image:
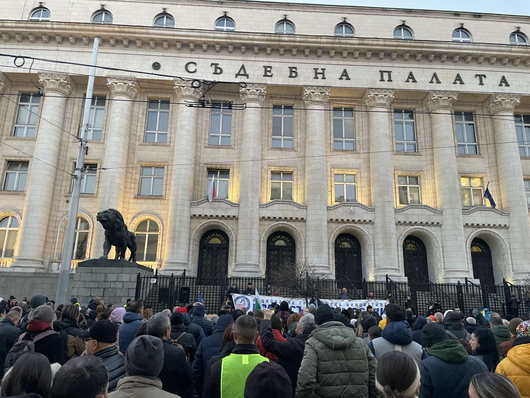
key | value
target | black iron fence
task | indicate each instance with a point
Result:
(168, 291)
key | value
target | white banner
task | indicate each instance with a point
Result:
(297, 305)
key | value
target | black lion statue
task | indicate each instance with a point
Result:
(116, 234)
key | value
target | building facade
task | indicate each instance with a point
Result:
(361, 140)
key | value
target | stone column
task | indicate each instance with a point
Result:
(382, 182)
(182, 181)
(448, 188)
(118, 134)
(41, 181)
(316, 170)
(513, 196)
(248, 250)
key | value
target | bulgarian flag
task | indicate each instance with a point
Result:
(211, 190)
(257, 300)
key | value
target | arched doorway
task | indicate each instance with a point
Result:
(213, 257)
(482, 262)
(415, 260)
(281, 249)
(348, 263)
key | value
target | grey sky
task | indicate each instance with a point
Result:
(512, 7)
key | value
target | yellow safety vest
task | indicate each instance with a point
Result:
(235, 369)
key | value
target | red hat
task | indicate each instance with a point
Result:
(181, 309)
(432, 317)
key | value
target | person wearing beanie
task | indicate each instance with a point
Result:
(277, 326)
(116, 316)
(397, 375)
(471, 324)
(512, 326)
(516, 365)
(454, 326)
(449, 368)
(180, 335)
(396, 336)
(366, 323)
(501, 332)
(36, 301)
(417, 326)
(336, 363)
(267, 380)
(144, 361)
(198, 319)
(100, 341)
(192, 328)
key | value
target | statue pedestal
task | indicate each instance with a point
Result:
(112, 280)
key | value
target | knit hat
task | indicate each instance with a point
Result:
(177, 319)
(73, 300)
(368, 321)
(452, 318)
(312, 306)
(433, 333)
(324, 314)
(117, 314)
(471, 320)
(199, 310)
(523, 330)
(44, 313)
(182, 310)
(276, 323)
(145, 357)
(266, 380)
(37, 300)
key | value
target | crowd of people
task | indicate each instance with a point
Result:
(99, 351)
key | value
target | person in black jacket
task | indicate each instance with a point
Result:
(100, 342)
(249, 291)
(8, 336)
(52, 347)
(176, 373)
(180, 335)
(290, 352)
(198, 319)
(233, 290)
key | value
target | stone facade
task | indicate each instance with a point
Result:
(309, 76)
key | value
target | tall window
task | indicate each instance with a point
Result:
(40, 14)
(465, 133)
(343, 129)
(226, 24)
(15, 176)
(164, 20)
(522, 127)
(82, 230)
(461, 35)
(157, 121)
(152, 181)
(518, 39)
(95, 119)
(281, 185)
(27, 114)
(282, 126)
(102, 16)
(220, 124)
(147, 240)
(403, 32)
(88, 183)
(409, 190)
(284, 27)
(344, 30)
(527, 190)
(8, 236)
(345, 188)
(405, 131)
(472, 191)
(221, 183)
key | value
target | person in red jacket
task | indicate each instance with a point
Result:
(277, 326)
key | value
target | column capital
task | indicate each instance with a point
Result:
(185, 90)
(316, 94)
(502, 103)
(378, 97)
(3, 82)
(125, 86)
(253, 93)
(438, 100)
(59, 83)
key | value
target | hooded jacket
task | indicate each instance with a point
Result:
(502, 334)
(129, 327)
(74, 346)
(396, 334)
(421, 321)
(115, 364)
(185, 339)
(336, 363)
(448, 371)
(453, 324)
(516, 366)
(194, 329)
(140, 387)
(198, 319)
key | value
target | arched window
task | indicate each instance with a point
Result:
(518, 39)
(164, 20)
(40, 14)
(8, 236)
(226, 24)
(344, 30)
(82, 230)
(102, 16)
(461, 35)
(403, 32)
(284, 27)
(147, 240)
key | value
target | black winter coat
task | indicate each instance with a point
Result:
(52, 347)
(185, 339)
(194, 329)
(198, 319)
(289, 353)
(176, 374)
(8, 336)
(115, 364)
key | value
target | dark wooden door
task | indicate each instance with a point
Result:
(281, 249)
(482, 262)
(213, 257)
(348, 262)
(415, 258)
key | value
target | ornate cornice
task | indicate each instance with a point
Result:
(378, 97)
(438, 100)
(418, 207)
(253, 93)
(502, 103)
(315, 95)
(185, 91)
(3, 82)
(56, 83)
(124, 86)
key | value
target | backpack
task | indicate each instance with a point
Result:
(22, 346)
(465, 343)
(177, 344)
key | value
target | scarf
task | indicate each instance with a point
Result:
(38, 326)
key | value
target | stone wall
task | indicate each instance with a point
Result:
(20, 284)
(112, 280)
